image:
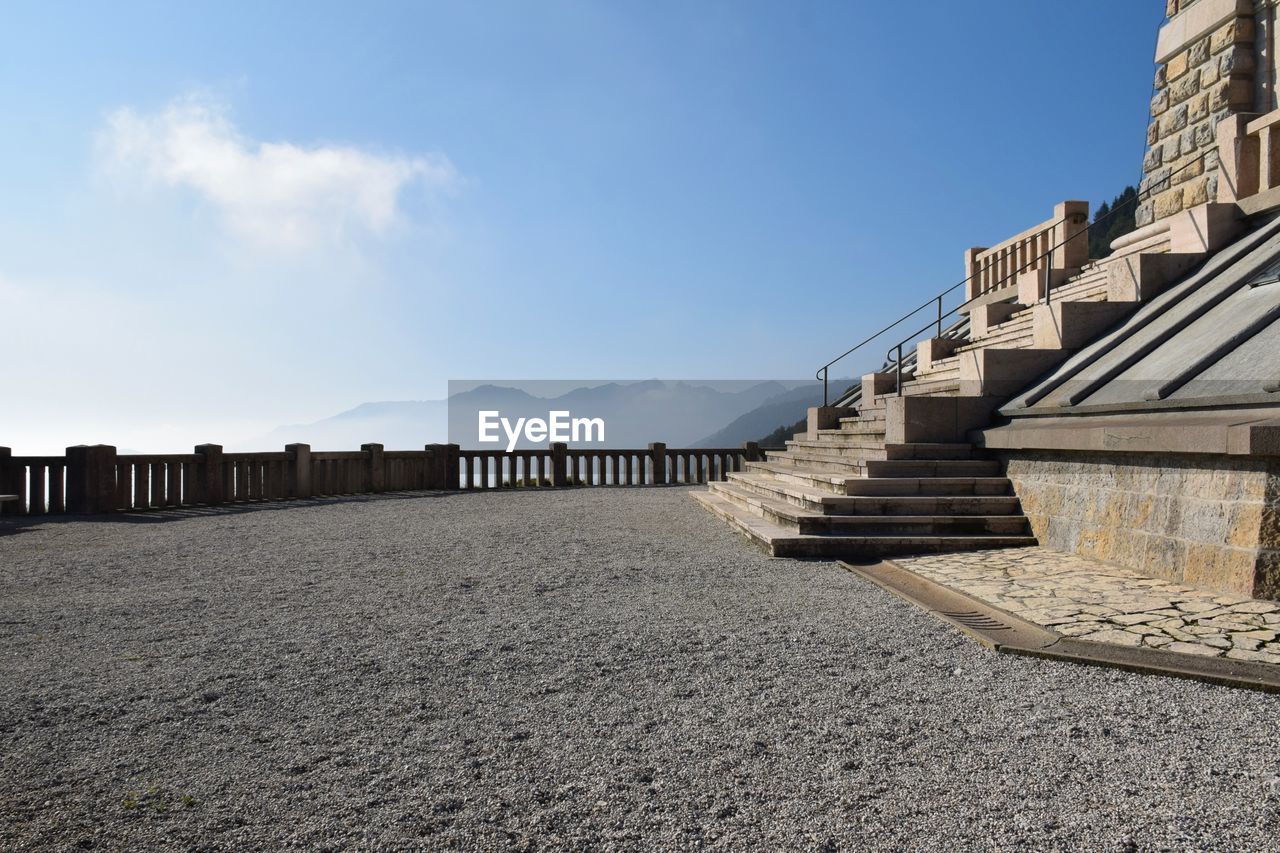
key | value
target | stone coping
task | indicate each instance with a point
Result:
(1234, 432)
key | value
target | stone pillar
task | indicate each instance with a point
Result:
(299, 474)
(209, 483)
(375, 475)
(450, 477)
(658, 458)
(7, 486)
(972, 272)
(1074, 231)
(559, 456)
(91, 479)
(1238, 158)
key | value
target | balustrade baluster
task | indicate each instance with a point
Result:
(141, 485)
(57, 488)
(36, 493)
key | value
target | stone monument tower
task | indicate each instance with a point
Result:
(1215, 75)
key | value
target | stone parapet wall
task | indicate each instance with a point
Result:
(1211, 522)
(1204, 78)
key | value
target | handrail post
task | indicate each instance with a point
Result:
(939, 334)
(825, 371)
(897, 364)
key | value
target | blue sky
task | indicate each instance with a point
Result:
(221, 217)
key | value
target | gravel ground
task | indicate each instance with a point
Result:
(572, 669)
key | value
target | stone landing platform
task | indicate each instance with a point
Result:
(1100, 613)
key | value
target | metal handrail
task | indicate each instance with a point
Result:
(895, 351)
(825, 369)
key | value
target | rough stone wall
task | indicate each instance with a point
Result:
(1204, 83)
(1209, 522)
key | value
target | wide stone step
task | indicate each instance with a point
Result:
(870, 420)
(929, 450)
(817, 500)
(926, 486)
(841, 483)
(850, 465)
(825, 480)
(932, 467)
(781, 542)
(929, 388)
(804, 521)
(838, 441)
(854, 426)
(861, 450)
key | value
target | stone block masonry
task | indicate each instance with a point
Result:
(1208, 522)
(1208, 59)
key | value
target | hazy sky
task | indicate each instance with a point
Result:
(218, 218)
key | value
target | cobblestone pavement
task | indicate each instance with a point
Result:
(1078, 597)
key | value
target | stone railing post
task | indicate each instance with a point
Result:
(751, 451)
(1075, 231)
(375, 477)
(974, 284)
(445, 474)
(1239, 158)
(7, 484)
(91, 479)
(209, 485)
(559, 456)
(299, 473)
(658, 457)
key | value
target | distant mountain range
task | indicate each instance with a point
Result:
(682, 414)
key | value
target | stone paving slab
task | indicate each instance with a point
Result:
(1078, 597)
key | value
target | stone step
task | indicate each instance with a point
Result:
(1089, 286)
(929, 450)
(932, 467)
(1016, 337)
(842, 483)
(950, 374)
(850, 465)
(858, 426)
(778, 541)
(827, 481)
(931, 486)
(817, 500)
(838, 441)
(808, 522)
(862, 449)
(930, 387)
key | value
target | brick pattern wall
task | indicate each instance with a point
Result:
(1202, 84)
(1209, 522)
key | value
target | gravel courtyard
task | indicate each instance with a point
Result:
(594, 668)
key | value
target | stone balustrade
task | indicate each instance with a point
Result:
(96, 479)
(996, 269)
(563, 466)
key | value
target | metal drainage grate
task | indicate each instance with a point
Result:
(976, 620)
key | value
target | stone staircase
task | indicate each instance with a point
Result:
(848, 493)
(890, 471)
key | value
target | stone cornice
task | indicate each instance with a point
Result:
(1197, 21)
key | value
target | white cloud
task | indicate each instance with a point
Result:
(277, 195)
